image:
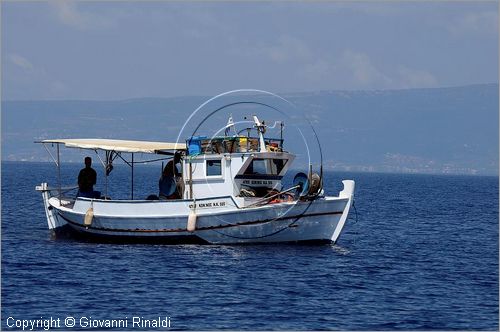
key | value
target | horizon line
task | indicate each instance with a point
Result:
(279, 93)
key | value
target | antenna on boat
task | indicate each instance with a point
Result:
(281, 134)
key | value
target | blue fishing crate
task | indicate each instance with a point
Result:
(194, 144)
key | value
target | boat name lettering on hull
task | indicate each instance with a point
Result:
(257, 182)
(207, 205)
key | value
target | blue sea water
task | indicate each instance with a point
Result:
(423, 255)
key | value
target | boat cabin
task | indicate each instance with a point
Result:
(236, 166)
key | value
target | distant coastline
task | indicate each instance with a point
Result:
(450, 130)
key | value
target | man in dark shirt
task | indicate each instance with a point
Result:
(170, 180)
(86, 180)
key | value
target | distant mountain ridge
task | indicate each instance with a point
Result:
(439, 130)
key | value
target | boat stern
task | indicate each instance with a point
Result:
(347, 192)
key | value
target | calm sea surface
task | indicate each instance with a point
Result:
(422, 255)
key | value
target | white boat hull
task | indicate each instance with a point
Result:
(214, 220)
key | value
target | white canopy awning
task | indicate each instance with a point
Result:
(118, 145)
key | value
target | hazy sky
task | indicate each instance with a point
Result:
(117, 50)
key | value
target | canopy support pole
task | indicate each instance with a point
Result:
(47, 149)
(105, 174)
(59, 173)
(132, 177)
(190, 179)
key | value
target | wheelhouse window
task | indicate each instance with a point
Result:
(277, 165)
(266, 166)
(214, 167)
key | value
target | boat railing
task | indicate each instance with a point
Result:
(231, 144)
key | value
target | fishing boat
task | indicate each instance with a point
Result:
(229, 191)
